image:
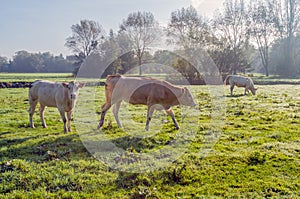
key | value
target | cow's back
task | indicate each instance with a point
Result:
(239, 81)
(122, 88)
(46, 92)
(140, 90)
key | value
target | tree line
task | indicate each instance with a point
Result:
(26, 62)
(259, 35)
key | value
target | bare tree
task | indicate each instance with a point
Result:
(288, 24)
(190, 32)
(231, 28)
(262, 28)
(287, 13)
(188, 29)
(86, 36)
(142, 29)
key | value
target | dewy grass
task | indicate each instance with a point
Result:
(255, 154)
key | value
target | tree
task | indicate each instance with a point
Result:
(288, 24)
(262, 28)
(164, 57)
(85, 39)
(117, 55)
(188, 71)
(3, 63)
(24, 61)
(142, 30)
(287, 21)
(110, 53)
(191, 33)
(279, 64)
(188, 29)
(231, 28)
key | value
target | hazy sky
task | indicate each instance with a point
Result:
(43, 25)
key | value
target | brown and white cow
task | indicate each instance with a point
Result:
(53, 94)
(240, 81)
(156, 94)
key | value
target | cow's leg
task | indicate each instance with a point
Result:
(246, 90)
(171, 113)
(31, 110)
(105, 107)
(149, 116)
(69, 115)
(63, 117)
(231, 88)
(116, 113)
(41, 112)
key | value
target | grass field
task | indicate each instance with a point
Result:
(30, 77)
(254, 153)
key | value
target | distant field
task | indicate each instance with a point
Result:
(10, 77)
(258, 79)
(255, 153)
(271, 80)
(61, 77)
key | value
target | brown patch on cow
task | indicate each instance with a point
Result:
(151, 94)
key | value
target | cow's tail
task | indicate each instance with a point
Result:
(31, 93)
(227, 79)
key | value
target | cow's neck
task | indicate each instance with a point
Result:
(177, 91)
(69, 102)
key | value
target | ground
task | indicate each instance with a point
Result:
(249, 149)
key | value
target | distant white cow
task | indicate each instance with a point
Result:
(53, 94)
(154, 93)
(240, 81)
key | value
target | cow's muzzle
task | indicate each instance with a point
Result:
(73, 96)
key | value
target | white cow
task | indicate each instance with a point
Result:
(240, 81)
(53, 94)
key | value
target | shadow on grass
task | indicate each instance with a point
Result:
(16, 141)
(4, 133)
(134, 143)
(42, 148)
(235, 95)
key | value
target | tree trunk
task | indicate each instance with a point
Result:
(267, 71)
(139, 55)
(140, 65)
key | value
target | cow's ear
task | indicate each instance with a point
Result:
(65, 85)
(81, 85)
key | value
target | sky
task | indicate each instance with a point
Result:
(44, 25)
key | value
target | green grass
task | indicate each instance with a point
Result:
(56, 77)
(255, 152)
(30, 77)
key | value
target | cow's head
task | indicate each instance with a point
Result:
(187, 98)
(253, 90)
(73, 88)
